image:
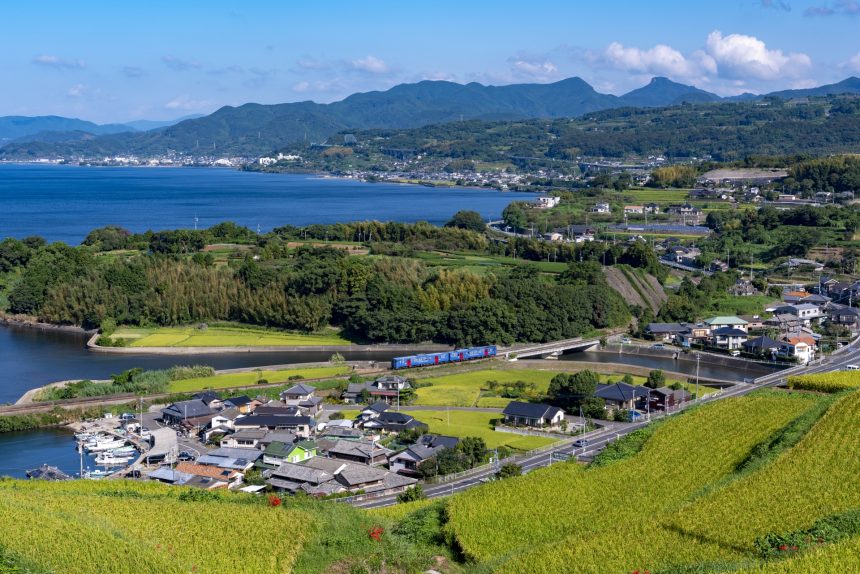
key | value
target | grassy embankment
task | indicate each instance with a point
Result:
(230, 380)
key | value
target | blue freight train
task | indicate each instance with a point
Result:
(455, 356)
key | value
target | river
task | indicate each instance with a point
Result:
(64, 203)
(710, 367)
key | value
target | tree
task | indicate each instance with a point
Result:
(572, 390)
(509, 470)
(656, 379)
(411, 494)
(514, 216)
(474, 449)
(467, 219)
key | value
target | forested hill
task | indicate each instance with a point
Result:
(727, 131)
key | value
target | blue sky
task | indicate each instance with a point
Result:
(120, 61)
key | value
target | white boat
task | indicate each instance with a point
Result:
(107, 460)
(84, 435)
(96, 474)
(104, 446)
(124, 451)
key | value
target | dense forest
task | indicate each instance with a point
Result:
(165, 278)
(720, 131)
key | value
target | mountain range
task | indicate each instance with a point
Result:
(58, 128)
(255, 129)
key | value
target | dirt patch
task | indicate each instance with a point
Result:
(644, 291)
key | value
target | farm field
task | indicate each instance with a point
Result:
(811, 481)
(609, 519)
(471, 423)
(222, 336)
(826, 382)
(116, 527)
(482, 263)
(109, 527)
(228, 380)
(465, 389)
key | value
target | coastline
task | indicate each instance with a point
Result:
(93, 346)
(33, 323)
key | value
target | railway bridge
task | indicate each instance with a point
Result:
(548, 350)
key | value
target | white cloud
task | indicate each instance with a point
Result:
(661, 60)
(738, 56)
(371, 65)
(853, 64)
(186, 103)
(52, 61)
(530, 68)
(77, 91)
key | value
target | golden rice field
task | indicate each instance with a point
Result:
(816, 478)
(110, 527)
(610, 519)
(223, 336)
(826, 382)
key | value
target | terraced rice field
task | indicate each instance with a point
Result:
(229, 380)
(611, 518)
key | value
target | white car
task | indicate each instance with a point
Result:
(852, 367)
(735, 353)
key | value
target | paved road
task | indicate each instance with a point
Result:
(597, 440)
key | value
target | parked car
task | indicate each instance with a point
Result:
(580, 443)
(127, 417)
(625, 340)
(658, 346)
(735, 353)
(185, 456)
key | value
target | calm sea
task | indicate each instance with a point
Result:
(63, 203)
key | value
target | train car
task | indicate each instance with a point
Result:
(455, 356)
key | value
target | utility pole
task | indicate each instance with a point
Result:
(698, 357)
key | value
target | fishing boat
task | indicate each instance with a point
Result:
(108, 460)
(104, 446)
(123, 451)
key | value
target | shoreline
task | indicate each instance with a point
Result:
(93, 346)
(33, 323)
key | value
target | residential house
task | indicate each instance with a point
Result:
(684, 255)
(601, 208)
(359, 451)
(697, 334)
(785, 322)
(764, 346)
(532, 414)
(821, 301)
(714, 323)
(427, 446)
(792, 297)
(169, 475)
(394, 422)
(277, 453)
(651, 208)
(743, 288)
(211, 398)
(801, 348)
(554, 236)
(582, 233)
(718, 266)
(183, 410)
(620, 395)
(246, 438)
(298, 393)
(285, 437)
(730, 338)
(807, 313)
(303, 397)
(386, 389)
(323, 476)
(243, 404)
(239, 459)
(664, 398)
(846, 317)
(547, 202)
(754, 322)
(687, 213)
(301, 426)
(279, 409)
(634, 209)
(665, 331)
(224, 478)
(371, 412)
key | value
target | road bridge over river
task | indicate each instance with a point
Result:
(548, 350)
